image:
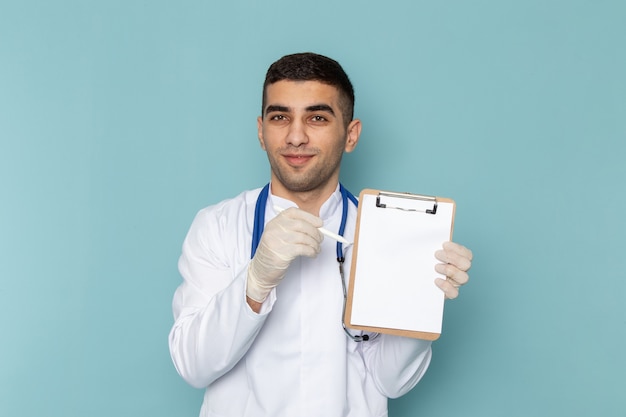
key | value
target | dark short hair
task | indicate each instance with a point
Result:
(307, 66)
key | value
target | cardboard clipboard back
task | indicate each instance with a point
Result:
(431, 336)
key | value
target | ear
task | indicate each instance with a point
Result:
(352, 135)
(259, 127)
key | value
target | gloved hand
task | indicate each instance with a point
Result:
(457, 261)
(292, 233)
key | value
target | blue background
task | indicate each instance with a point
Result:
(119, 120)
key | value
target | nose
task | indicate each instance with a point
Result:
(297, 134)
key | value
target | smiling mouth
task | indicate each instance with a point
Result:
(297, 159)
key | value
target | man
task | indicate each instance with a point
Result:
(258, 315)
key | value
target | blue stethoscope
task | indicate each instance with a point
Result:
(259, 225)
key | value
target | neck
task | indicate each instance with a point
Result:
(309, 201)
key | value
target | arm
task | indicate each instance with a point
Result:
(214, 326)
(398, 363)
(216, 307)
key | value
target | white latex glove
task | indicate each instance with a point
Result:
(290, 234)
(457, 260)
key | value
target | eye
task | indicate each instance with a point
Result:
(278, 119)
(318, 119)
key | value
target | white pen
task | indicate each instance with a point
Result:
(325, 232)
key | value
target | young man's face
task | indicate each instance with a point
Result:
(304, 134)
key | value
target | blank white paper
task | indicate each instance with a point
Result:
(394, 276)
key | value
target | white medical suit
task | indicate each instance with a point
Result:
(292, 359)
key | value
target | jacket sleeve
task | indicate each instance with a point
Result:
(214, 326)
(396, 363)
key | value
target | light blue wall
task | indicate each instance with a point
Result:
(120, 119)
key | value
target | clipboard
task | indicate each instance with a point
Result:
(392, 288)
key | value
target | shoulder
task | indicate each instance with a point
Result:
(223, 231)
(231, 212)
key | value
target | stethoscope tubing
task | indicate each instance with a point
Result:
(259, 225)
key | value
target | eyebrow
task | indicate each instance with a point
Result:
(321, 107)
(274, 107)
(316, 107)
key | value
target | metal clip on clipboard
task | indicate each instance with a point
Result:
(410, 207)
